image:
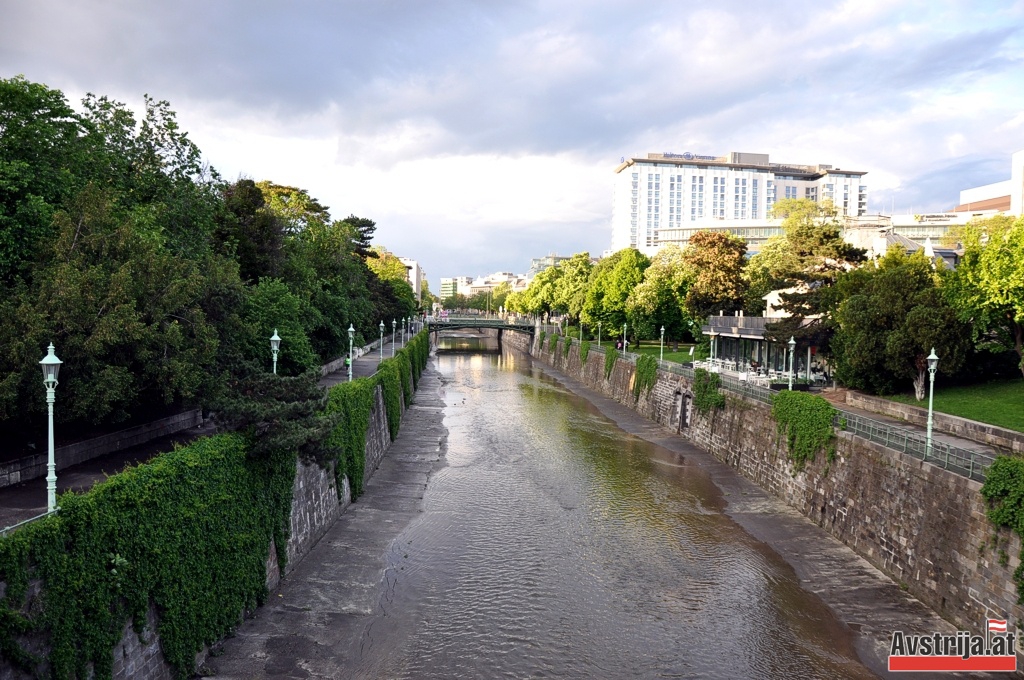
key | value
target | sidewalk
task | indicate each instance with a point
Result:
(363, 367)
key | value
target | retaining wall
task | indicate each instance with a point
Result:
(34, 466)
(921, 525)
(316, 505)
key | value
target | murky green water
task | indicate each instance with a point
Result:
(553, 544)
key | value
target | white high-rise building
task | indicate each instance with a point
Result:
(667, 197)
(416, 276)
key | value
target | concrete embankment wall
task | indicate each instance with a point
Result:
(924, 527)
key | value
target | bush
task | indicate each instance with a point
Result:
(705, 391)
(646, 375)
(610, 357)
(584, 351)
(1004, 491)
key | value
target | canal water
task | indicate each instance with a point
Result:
(553, 544)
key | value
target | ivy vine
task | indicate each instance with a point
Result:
(706, 396)
(584, 351)
(611, 355)
(806, 421)
(188, 532)
(553, 343)
(1004, 491)
(646, 375)
(540, 343)
(566, 346)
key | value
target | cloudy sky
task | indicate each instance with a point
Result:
(479, 134)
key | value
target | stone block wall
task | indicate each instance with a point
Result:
(924, 527)
(34, 466)
(316, 505)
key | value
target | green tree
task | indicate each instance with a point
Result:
(813, 236)
(570, 293)
(987, 286)
(386, 265)
(659, 301)
(251, 231)
(890, 319)
(716, 259)
(362, 230)
(42, 160)
(769, 269)
(295, 206)
(612, 281)
(539, 296)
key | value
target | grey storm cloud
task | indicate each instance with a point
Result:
(597, 79)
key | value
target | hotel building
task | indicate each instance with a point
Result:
(667, 197)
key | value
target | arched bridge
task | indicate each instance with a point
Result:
(461, 323)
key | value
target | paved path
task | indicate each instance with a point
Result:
(315, 623)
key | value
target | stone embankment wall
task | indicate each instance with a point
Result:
(921, 525)
(316, 505)
(34, 466)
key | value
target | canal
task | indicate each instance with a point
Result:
(554, 544)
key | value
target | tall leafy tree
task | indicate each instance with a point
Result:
(570, 293)
(716, 259)
(255, 233)
(987, 286)
(612, 281)
(813, 236)
(362, 230)
(659, 301)
(891, 317)
(42, 164)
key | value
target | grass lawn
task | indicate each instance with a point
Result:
(995, 403)
(654, 349)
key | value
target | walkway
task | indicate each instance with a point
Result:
(313, 625)
(23, 501)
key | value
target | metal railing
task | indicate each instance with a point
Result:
(964, 462)
(3, 532)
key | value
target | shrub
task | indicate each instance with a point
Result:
(584, 351)
(610, 356)
(705, 391)
(645, 376)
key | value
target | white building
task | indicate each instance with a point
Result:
(416, 275)
(666, 197)
(455, 285)
(1006, 196)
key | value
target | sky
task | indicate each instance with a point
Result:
(481, 134)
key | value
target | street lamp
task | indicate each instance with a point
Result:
(275, 346)
(662, 355)
(792, 347)
(351, 335)
(51, 367)
(382, 341)
(394, 334)
(933, 364)
(712, 335)
(625, 343)
(598, 333)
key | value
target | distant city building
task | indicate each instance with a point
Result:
(455, 285)
(1006, 196)
(667, 197)
(539, 264)
(416, 275)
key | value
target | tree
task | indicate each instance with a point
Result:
(658, 302)
(987, 286)
(570, 293)
(890, 319)
(611, 283)
(254, 233)
(386, 265)
(42, 157)
(539, 296)
(814, 237)
(295, 206)
(362, 230)
(716, 259)
(500, 295)
(768, 270)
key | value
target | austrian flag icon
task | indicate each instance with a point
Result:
(996, 626)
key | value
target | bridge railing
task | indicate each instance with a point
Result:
(968, 463)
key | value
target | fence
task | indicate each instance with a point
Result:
(964, 462)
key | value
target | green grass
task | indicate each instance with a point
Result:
(995, 403)
(654, 350)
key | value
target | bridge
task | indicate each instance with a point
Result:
(435, 325)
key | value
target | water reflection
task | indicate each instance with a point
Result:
(556, 545)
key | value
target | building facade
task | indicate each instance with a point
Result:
(666, 197)
(455, 285)
(416, 275)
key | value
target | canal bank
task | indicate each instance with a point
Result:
(922, 526)
(536, 538)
